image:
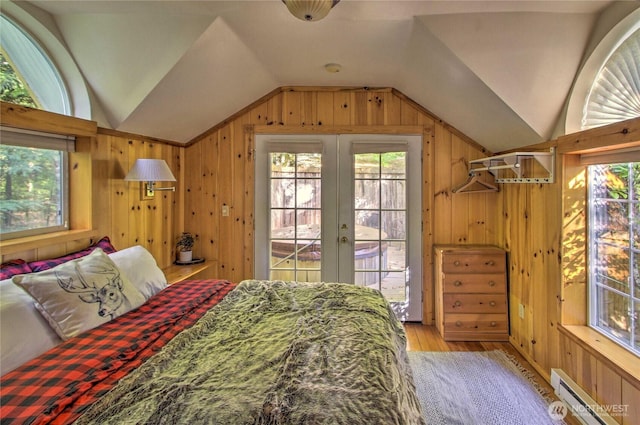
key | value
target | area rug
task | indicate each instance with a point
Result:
(477, 388)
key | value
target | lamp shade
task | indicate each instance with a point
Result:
(310, 10)
(150, 170)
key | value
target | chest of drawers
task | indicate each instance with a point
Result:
(471, 293)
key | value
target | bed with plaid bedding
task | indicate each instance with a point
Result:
(60, 384)
(269, 352)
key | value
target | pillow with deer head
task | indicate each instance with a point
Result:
(81, 294)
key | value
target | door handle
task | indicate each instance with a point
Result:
(344, 239)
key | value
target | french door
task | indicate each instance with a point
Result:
(342, 208)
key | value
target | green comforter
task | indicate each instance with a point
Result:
(275, 353)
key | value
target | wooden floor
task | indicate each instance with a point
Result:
(426, 338)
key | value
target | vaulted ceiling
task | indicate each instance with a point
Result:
(499, 71)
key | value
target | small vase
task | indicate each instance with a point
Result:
(185, 256)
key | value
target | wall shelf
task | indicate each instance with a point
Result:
(518, 167)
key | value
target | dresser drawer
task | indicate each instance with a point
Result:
(473, 263)
(474, 283)
(475, 303)
(476, 322)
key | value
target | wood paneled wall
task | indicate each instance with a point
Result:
(220, 172)
(119, 211)
(533, 225)
(545, 236)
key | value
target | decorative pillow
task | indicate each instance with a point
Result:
(13, 267)
(24, 333)
(40, 265)
(141, 268)
(81, 294)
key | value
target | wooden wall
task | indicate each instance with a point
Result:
(101, 202)
(544, 234)
(220, 171)
(119, 211)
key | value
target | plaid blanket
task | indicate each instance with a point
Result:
(59, 385)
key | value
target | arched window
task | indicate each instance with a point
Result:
(615, 93)
(28, 76)
(34, 187)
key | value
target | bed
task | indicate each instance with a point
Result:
(200, 351)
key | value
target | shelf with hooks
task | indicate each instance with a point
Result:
(518, 167)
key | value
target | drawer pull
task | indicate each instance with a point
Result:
(458, 323)
(457, 304)
(492, 283)
(456, 263)
(493, 324)
(492, 303)
(457, 283)
(490, 263)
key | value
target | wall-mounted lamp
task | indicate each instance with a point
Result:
(150, 171)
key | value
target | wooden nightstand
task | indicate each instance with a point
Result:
(175, 273)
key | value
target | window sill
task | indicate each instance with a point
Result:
(618, 358)
(11, 246)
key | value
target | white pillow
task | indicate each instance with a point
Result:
(141, 268)
(81, 294)
(24, 333)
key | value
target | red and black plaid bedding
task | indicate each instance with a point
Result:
(57, 386)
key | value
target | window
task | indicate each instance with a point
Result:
(33, 166)
(27, 75)
(33, 183)
(616, 90)
(614, 251)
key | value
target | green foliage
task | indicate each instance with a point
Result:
(185, 242)
(30, 189)
(623, 178)
(12, 88)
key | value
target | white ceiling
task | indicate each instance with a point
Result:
(499, 71)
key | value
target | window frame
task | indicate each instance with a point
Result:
(46, 141)
(593, 287)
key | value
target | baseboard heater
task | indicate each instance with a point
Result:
(583, 407)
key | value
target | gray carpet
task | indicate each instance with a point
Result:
(476, 388)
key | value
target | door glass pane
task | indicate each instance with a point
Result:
(295, 225)
(393, 194)
(394, 224)
(380, 223)
(367, 194)
(393, 165)
(282, 192)
(308, 193)
(367, 165)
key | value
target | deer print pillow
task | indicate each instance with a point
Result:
(81, 294)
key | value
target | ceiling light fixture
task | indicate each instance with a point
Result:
(310, 10)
